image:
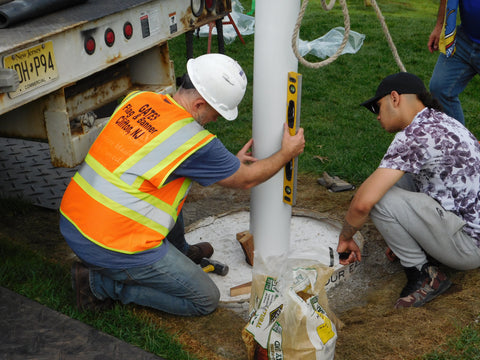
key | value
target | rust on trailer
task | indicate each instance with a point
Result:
(114, 59)
(187, 19)
(98, 96)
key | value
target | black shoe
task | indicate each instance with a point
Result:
(415, 279)
(435, 284)
(85, 299)
(199, 251)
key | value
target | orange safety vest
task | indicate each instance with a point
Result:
(119, 199)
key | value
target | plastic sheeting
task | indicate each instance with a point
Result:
(328, 44)
(322, 47)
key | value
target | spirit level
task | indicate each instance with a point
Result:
(294, 93)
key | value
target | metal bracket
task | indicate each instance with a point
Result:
(9, 80)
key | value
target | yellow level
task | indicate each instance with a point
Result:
(294, 92)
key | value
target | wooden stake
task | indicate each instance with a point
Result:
(246, 240)
(241, 289)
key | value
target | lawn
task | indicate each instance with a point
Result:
(342, 139)
(336, 127)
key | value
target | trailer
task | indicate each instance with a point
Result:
(59, 70)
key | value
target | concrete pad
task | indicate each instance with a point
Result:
(313, 237)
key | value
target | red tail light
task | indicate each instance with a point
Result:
(127, 30)
(89, 45)
(109, 37)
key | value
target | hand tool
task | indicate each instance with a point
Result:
(344, 255)
(209, 265)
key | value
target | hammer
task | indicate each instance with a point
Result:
(209, 265)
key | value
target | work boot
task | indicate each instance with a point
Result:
(85, 299)
(199, 251)
(433, 284)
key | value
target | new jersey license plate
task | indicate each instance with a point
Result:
(35, 67)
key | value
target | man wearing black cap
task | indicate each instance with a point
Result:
(424, 197)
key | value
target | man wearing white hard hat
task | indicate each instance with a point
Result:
(121, 213)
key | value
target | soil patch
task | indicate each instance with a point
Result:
(364, 303)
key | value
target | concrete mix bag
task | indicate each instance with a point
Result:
(290, 317)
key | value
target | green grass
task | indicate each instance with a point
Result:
(336, 128)
(33, 276)
(335, 125)
(466, 346)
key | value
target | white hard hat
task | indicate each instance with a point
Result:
(220, 80)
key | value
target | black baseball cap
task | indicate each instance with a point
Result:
(402, 82)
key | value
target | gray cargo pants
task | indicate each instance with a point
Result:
(413, 224)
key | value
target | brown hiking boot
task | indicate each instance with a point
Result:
(199, 251)
(423, 287)
(85, 299)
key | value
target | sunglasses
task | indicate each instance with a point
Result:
(375, 108)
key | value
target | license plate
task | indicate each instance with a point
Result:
(35, 67)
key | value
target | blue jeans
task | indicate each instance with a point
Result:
(174, 284)
(451, 75)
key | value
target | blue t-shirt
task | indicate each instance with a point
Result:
(208, 165)
(470, 15)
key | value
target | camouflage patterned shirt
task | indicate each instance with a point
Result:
(444, 160)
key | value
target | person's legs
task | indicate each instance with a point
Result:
(413, 225)
(195, 252)
(176, 236)
(174, 285)
(475, 58)
(451, 76)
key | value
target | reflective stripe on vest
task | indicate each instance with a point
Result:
(119, 199)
